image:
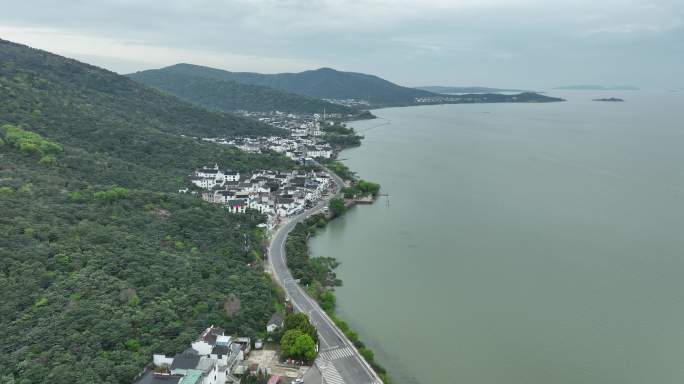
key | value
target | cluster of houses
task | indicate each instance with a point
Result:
(352, 103)
(210, 360)
(291, 121)
(452, 99)
(295, 147)
(304, 140)
(274, 193)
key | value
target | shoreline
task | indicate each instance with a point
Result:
(326, 323)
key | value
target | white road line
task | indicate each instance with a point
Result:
(330, 373)
(336, 353)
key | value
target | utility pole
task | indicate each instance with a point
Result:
(388, 198)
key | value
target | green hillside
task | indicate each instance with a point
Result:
(101, 264)
(229, 96)
(323, 83)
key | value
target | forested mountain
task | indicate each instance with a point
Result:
(323, 83)
(101, 264)
(227, 95)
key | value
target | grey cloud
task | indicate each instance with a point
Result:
(529, 43)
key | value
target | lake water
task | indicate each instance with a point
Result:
(522, 243)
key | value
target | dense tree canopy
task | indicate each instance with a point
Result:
(115, 128)
(227, 95)
(299, 338)
(337, 207)
(297, 345)
(101, 263)
(300, 321)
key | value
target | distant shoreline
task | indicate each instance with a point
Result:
(476, 98)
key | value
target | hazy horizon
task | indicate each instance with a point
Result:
(493, 43)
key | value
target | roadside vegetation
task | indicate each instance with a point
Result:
(339, 169)
(336, 207)
(299, 337)
(318, 276)
(317, 271)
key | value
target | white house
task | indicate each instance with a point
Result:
(230, 175)
(319, 152)
(204, 182)
(208, 172)
(209, 361)
(274, 323)
(237, 206)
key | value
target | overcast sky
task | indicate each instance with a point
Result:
(506, 43)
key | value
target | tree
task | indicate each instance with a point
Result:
(287, 342)
(327, 300)
(304, 348)
(337, 207)
(348, 192)
(295, 320)
(298, 345)
(367, 188)
(300, 321)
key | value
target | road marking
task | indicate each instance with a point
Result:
(336, 353)
(330, 374)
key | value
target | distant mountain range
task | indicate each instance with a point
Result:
(304, 91)
(211, 92)
(593, 87)
(448, 89)
(323, 83)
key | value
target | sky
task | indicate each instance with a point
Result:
(500, 43)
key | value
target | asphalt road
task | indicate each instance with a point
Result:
(338, 360)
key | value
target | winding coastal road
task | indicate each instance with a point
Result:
(338, 360)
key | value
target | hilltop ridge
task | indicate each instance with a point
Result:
(228, 95)
(322, 83)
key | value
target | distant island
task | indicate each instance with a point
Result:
(471, 98)
(449, 89)
(610, 99)
(593, 87)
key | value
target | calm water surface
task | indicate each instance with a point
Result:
(522, 244)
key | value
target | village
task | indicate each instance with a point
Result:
(304, 139)
(276, 194)
(217, 358)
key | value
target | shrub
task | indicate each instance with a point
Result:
(29, 142)
(112, 194)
